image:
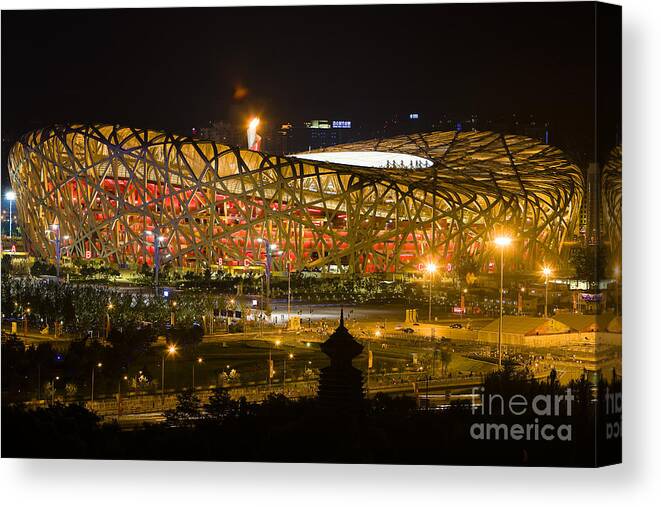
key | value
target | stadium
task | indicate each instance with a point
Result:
(126, 195)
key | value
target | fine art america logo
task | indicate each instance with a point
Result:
(518, 406)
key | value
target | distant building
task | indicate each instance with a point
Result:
(561, 330)
(318, 134)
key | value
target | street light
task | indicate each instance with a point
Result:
(52, 396)
(170, 351)
(110, 307)
(98, 365)
(199, 360)
(284, 371)
(56, 229)
(11, 197)
(269, 249)
(502, 242)
(158, 239)
(616, 272)
(26, 314)
(547, 272)
(431, 269)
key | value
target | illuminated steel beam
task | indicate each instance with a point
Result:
(108, 185)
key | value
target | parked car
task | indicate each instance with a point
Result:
(455, 326)
(407, 330)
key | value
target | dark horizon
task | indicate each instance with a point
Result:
(176, 68)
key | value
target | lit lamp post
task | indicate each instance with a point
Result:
(199, 360)
(170, 351)
(52, 395)
(288, 291)
(547, 272)
(98, 365)
(26, 314)
(269, 249)
(110, 307)
(284, 371)
(502, 242)
(55, 228)
(431, 269)
(157, 240)
(11, 197)
(616, 272)
(173, 319)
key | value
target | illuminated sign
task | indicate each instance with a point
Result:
(318, 124)
(341, 124)
(414, 116)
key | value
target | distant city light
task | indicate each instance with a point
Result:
(414, 116)
(11, 195)
(341, 124)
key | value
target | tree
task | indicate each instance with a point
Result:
(6, 264)
(221, 406)
(188, 410)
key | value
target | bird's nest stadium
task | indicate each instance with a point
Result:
(374, 206)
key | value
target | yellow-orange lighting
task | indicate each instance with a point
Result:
(546, 271)
(172, 349)
(277, 343)
(253, 123)
(431, 267)
(503, 241)
(199, 359)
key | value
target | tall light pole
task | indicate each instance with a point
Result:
(288, 291)
(11, 197)
(157, 240)
(284, 371)
(547, 272)
(267, 269)
(55, 228)
(110, 307)
(98, 365)
(616, 272)
(431, 269)
(170, 351)
(199, 360)
(26, 313)
(502, 242)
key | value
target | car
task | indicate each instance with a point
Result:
(455, 326)
(407, 330)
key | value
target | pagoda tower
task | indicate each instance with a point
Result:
(340, 384)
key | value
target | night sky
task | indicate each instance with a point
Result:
(178, 68)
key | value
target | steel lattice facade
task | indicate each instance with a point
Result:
(611, 189)
(106, 185)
